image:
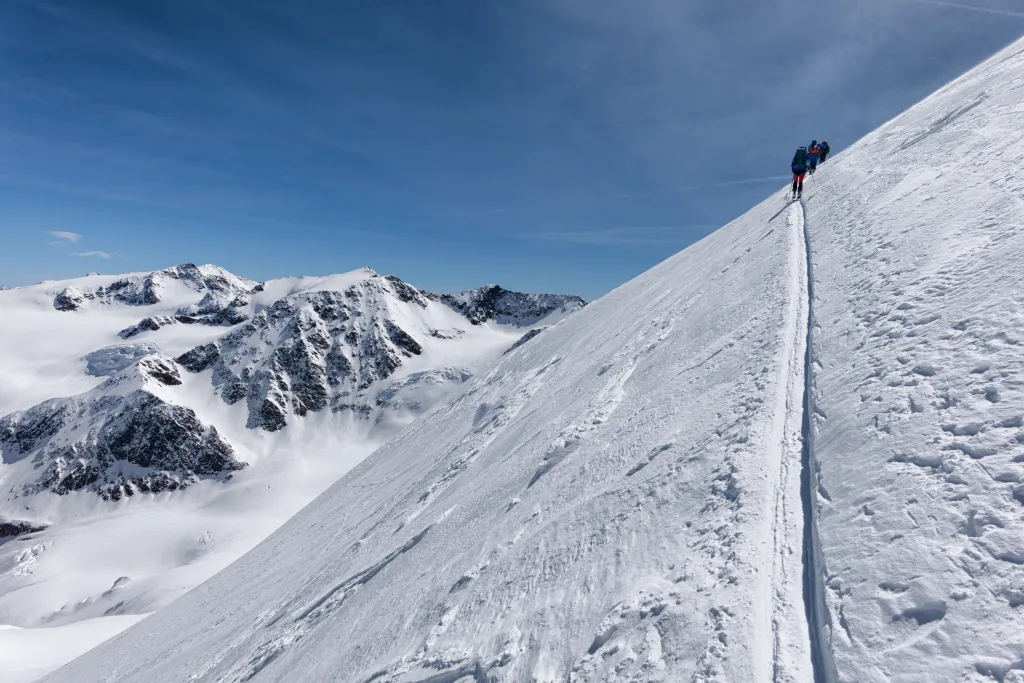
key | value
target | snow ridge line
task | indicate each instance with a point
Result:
(819, 621)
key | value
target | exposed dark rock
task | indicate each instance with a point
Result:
(403, 291)
(224, 295)
(135, 443)
(495, 303)
(216, 308)
(321, 348)
(199, 358)
(132, 291)
(32, 430)
(336, 366)
(402, 339)
(453, 333)
(69, 299)
(161, 369)
(525, 338)
(306, 350)
(11, 527)
(146, 325)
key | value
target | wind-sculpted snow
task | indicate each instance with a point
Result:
(117, 440)
(918, 235)
(613, 501)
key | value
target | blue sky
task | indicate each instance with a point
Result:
(564, 145)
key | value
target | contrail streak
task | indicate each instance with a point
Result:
(703, 186)
(987, 10)
(589, 201)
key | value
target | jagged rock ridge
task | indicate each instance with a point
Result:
(223, 295)
(496, 303)
(311, 350)
(118, 439)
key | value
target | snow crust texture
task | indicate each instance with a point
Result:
(918, 239)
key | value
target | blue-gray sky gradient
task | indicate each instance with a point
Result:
(556, 146)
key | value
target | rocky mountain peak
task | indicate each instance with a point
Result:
(493, 302)
(311, 350)
(146, 289)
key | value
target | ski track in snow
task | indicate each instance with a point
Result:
(783, 586)
(919, 387)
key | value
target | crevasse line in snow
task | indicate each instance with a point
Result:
(819, 620)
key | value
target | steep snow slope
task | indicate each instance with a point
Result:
(146, 475)
(918, 246)
(618, 498)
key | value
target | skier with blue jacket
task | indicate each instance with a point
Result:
(799, 168)
(813, 152)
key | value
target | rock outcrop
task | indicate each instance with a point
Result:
(510, 308)
(118, 439)
(310, 351)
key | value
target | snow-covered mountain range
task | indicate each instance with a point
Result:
(792, 452)
(143, 416)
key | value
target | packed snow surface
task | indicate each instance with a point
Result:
(129, 475)
(918, 246)
(673, 485)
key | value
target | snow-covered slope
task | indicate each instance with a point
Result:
(166, 422)
(635, 495)
(918, 237)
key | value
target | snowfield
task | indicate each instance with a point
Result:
(142, 478)
(792, 452)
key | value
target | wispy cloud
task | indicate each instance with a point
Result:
(597, 199)
(64, 237)
(625, 236)
(699, 186)
(956, 5)
(97, 254)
